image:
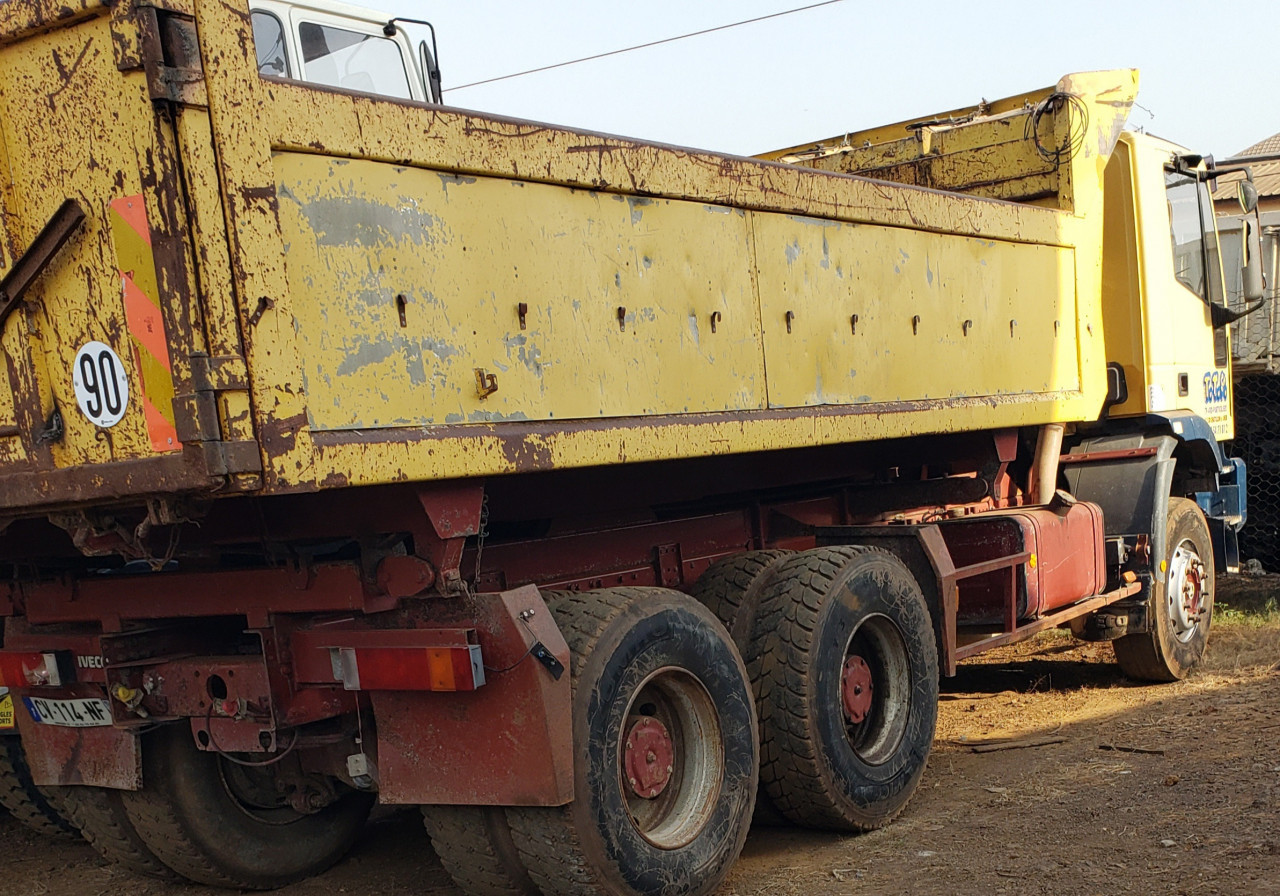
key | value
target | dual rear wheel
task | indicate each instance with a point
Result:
(843, 665)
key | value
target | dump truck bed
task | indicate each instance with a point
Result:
(308, 288)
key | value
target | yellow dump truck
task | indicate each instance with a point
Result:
(574, 488)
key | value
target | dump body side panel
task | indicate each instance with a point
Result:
(398, 292)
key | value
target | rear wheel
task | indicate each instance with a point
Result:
(665, 738)
(24, 800)
(100, 815)
(475, 846)
(731, 589)
(216, 822)
(1181, 604)
(849, 692)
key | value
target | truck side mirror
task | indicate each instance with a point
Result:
(1251, 252)
(435, 93)
(1247, 194)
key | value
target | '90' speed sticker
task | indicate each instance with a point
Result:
(102, 385)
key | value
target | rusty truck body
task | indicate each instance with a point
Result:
(572, 487)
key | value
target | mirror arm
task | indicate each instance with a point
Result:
(433, 76)
(1222, 316)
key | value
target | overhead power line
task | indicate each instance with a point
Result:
(652, 43)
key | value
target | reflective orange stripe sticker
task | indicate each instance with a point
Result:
(132, 238)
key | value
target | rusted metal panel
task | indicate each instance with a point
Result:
(243, 142)
(344, 125)
(19, 20)
(123, 283)
(253, 593)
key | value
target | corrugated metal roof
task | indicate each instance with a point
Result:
(1266, 175)
(1267, 147)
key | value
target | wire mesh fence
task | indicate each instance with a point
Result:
(1257, 443)
(1255, 350)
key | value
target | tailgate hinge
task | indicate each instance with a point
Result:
(197, 415)
(168, 50)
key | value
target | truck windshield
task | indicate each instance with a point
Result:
(352, 60)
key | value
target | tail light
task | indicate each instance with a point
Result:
(397, 668)
(24, 670)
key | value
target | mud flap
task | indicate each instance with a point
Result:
(509, 742)
(95, 757)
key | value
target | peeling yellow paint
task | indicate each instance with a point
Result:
(422, 293)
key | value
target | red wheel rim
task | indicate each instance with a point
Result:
(648, 757)
(856, 689)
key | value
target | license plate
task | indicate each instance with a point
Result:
(82, 712)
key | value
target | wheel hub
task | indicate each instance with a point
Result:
(648, 758)
(1185, 591)
(856, 689)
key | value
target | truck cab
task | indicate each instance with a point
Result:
(336, 45)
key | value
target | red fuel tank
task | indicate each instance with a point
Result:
(1067, 559)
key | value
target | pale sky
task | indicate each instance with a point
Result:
(1208, 71)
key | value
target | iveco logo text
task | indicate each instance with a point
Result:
(89, 662)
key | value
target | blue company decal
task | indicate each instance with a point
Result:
(1216, 390)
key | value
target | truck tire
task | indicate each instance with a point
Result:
(655, 676)
(475, 846)
(24, 800)
(100, 815)
(198, 817)
(731, 589)
(1181, 605)
(849, 691)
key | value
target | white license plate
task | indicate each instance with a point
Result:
(82, 712)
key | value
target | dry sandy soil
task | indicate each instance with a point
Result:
(1166, 789)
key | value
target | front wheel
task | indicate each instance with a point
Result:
(664, 732)
(1181, 604)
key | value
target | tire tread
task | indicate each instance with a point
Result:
(547, 837)
(475, 846)
(100, 815)
(24, 800)
(790, 767)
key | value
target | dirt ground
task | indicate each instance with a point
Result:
(1165, 789)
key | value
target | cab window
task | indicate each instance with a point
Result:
(1195, 247)
(338, 57)
(1188, 235)
(268, 37)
